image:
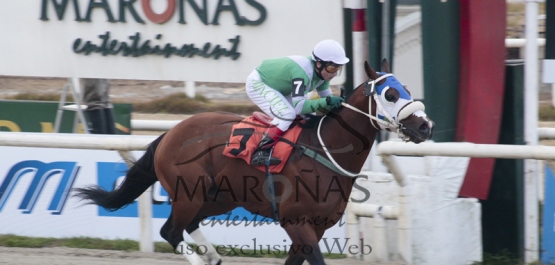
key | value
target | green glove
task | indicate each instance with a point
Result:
(334, 101)
(327, 103)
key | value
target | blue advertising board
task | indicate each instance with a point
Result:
(548, 224)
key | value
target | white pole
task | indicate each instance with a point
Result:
(539, 152)
(76, 141)
(190, 90)
(546, 133)
(359, 47)
(380, 238)
(518, 43)
(145, 218)
(371, 210)
(380, 212)
(404, 227)
(359, 38)
(353, 227)
(153, 125)
(145, 210)
(360, 44)
(531, 167)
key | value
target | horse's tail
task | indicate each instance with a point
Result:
(139, 177)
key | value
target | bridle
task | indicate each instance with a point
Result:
(385, 123)
(370, 90)
(388, 122)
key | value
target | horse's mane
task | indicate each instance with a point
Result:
(356, 88)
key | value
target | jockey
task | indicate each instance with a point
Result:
(279, 87)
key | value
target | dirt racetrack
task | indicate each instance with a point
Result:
(73, 256)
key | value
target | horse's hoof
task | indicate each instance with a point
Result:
(219, 262)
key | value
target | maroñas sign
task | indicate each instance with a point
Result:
(189, 40)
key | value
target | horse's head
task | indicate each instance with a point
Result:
(392, 108)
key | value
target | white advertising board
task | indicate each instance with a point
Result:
(189, 40)
(36, 201)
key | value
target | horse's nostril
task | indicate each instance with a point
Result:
(427, 129)
(424, 128)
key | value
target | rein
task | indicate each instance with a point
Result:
(330, 158)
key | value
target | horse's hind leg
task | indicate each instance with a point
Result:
(304, 245)
(165, 232)
(199, 238)
(193, 230)
(181, 216)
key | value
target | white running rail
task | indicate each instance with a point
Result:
(389, 149)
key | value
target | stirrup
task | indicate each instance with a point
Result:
(263, 158)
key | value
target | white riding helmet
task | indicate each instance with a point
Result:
(329, 51)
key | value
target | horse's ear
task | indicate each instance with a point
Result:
(369, 71)
(385, 66)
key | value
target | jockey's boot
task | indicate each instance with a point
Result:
(262, 153)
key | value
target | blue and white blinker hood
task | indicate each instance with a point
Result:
(389, 114)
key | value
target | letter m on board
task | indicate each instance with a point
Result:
(41, 173)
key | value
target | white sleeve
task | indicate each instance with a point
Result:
(298, 103)
(324, 93)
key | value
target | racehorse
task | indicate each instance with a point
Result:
(312, 195)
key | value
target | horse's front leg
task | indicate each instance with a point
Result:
(304, 245)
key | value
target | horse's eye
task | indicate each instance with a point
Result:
(389, 98)
(391, 95)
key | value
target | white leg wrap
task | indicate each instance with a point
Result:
(211, 253)
(189, 253)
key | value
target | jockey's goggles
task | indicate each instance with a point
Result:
(332, 68)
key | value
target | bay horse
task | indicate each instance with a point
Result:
(188, 159)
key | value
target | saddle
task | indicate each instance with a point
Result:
(246, 135)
